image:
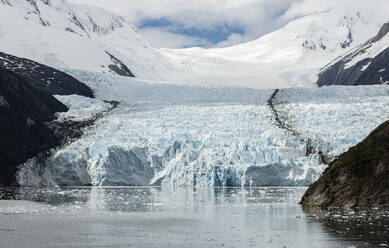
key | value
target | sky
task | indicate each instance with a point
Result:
(216, 23)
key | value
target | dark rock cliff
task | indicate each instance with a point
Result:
(24, 110)
(27, 105)
(358, 178)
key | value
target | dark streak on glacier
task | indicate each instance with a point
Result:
(69, 131)
(283, 122)
(66, 132)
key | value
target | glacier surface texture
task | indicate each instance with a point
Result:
(176, 135)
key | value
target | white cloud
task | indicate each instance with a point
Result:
(253, 17)
(199, 12)
(159, 37)
(234, 39)
(307, 7)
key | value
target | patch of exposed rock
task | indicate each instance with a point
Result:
(358, 178)
(356, 67)
(24, 110)
(27, 112)
(43, 77)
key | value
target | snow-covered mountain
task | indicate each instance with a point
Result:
(366, 64)
(288, 57)
(70, 36)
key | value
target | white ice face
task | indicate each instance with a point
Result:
(162, 135)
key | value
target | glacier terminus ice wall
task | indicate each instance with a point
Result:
(176, 135)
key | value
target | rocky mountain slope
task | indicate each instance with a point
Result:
(44, 77)
(27, 105)
(366, 64)
(359, 178)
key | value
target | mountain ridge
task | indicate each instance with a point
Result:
(68, 36)
(287, 57)
(44, 77)
(367, 63)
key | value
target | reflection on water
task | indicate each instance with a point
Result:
(130, 199)
(219, 217)
(370, 226)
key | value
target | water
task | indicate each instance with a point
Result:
(155, 217)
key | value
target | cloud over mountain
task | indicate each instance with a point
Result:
(177, 23)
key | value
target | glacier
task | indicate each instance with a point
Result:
(175, 135)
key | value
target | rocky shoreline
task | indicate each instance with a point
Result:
(358, 178)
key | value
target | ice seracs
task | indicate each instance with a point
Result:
(162, 136)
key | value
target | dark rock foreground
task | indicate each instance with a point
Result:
(24, 110)
(358, 178)
(27, 106)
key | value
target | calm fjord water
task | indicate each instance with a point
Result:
(185, 217)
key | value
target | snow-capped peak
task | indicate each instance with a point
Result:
(365, 64)
(81, 19)
(382, 33)
(368, 49)
(69, 36)
(288, 57)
